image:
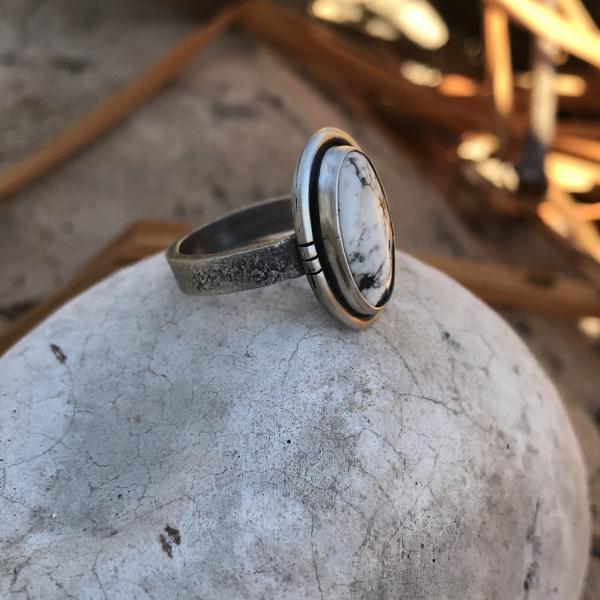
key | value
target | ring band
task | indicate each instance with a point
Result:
(335, 228)
(247, 249)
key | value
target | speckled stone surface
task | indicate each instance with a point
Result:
(157, 445)
(365, 227)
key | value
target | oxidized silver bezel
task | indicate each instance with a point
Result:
(316, 221)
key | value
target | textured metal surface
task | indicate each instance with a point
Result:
(247, 249)
(250, 268)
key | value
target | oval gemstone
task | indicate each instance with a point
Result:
(365, 228)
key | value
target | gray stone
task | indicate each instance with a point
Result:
(246, 446)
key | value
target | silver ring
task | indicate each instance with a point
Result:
(335, 228)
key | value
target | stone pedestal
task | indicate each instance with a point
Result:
(156, 445)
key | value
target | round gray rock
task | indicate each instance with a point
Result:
(155, 445)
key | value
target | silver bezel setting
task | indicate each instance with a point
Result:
(316, 220)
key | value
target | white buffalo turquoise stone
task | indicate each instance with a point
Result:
(365, 227)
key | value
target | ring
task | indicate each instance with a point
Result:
(335, 228)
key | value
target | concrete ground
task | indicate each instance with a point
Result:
(226, 134)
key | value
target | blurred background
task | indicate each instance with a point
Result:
(125, 122)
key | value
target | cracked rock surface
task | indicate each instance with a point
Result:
(157, 445)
